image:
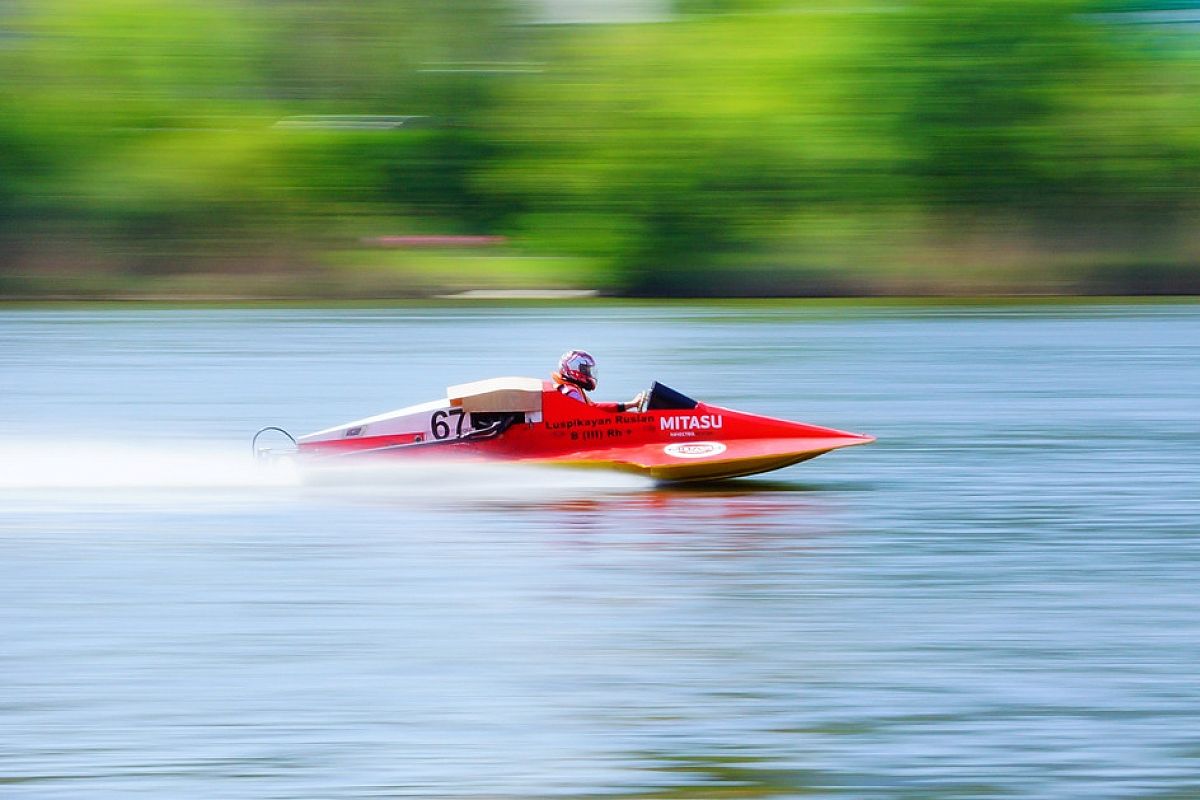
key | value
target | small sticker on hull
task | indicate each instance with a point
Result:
(694, 449)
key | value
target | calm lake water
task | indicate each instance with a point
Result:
(1001, 598)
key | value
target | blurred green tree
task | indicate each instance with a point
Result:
(146, 135)
(667, 148)
(1032, 104)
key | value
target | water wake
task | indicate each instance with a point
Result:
(154, 465)
(117, 468)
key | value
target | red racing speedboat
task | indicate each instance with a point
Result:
(671, 437)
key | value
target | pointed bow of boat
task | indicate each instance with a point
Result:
(706, 460)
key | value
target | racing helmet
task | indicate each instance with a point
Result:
(578, 367)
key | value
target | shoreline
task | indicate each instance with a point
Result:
(594, 300)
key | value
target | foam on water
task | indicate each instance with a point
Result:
(95, 464)
(79, 470)
(467, 480)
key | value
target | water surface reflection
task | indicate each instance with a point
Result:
(1000, 597)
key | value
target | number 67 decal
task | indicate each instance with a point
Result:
(440, 423)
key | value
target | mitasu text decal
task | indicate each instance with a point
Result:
(695, 422)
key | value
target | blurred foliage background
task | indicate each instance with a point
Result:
(314, 148)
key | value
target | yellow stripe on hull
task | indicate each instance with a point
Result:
(704, 471)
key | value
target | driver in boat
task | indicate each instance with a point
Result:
(576, 376)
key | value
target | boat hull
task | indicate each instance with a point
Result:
(528, 421)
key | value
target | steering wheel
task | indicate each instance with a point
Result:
(641, 407)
